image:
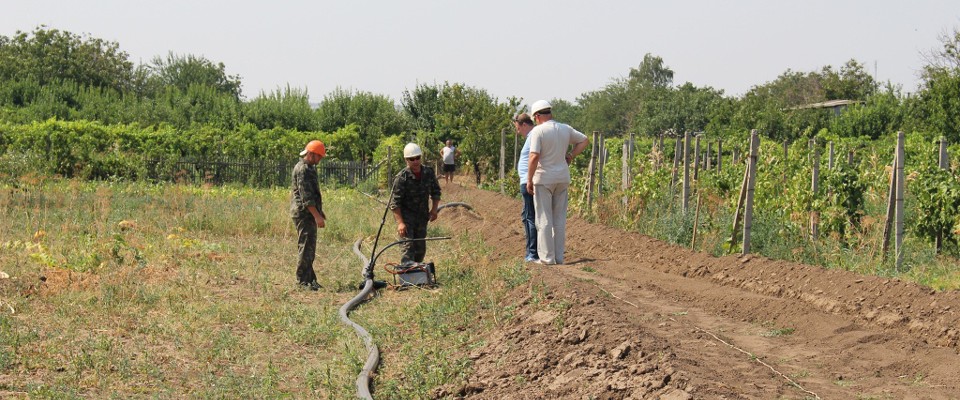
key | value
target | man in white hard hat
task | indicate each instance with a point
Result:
(415, 189)
(549, 177)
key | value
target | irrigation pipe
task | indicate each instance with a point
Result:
(373, 353)
(455, 204)
(753, 356)
(372, 197)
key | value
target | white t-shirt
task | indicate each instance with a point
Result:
(552, 139)
(447, 154)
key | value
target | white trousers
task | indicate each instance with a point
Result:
(550, 203)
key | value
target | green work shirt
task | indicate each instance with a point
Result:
(304, 191)
(412, 196)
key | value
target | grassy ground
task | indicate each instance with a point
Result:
(120, 290)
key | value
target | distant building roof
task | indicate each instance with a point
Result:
(827, 104)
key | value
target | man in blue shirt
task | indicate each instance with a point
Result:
(524, 124)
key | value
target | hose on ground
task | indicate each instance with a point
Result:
(455, 204)
(373, 353)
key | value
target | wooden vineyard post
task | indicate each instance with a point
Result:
(944, 158)
(850, 157)
(736, 155)
(814, 186)
(707, 160)
(696, 221)
(719, 154)
(738, 212)
(591, 169)
(944, 163)
(686, 172)
(696, 158)
(891, 203)
(632, 146)
(603, 163)
(751, 183)
(899, 207)
(625, 170)
(676, 164)
(830, 159)
(503, 157)
(602, 160)
(516, 150)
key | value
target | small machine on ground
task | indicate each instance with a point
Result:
(412, 274)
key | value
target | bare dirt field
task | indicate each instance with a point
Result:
(629, 316)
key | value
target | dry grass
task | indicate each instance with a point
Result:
(137, 290)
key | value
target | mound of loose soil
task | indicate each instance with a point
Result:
(633, 317)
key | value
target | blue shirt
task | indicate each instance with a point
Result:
(523, 164)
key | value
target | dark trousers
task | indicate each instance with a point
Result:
(529, 218)
(417, 249)
(306, 247)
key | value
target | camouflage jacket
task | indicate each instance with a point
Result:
(412, 196)
(305, 191)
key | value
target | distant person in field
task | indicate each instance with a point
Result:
(306, 209)
(414, 201)
(449, 153)
(549, 177)
(523, 124)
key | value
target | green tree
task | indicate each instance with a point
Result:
(422, 105)
(606, 110)
(184, 71)
(881, 114)
(852, 82)
(48, 56)
(651, 74)
(936, 108)
(563, 111)
(288, 109)
(376, 116)
(474, 118)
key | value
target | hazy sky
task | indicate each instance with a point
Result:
(528, 49)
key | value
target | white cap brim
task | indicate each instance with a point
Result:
(303, 153)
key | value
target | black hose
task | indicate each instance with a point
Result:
(455, 204)
(373, 353)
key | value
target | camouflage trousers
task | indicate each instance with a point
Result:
(415, 250)
(306, 247)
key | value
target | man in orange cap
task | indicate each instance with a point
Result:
(306, 209)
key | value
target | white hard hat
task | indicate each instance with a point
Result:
(538, 106)
(411, 150)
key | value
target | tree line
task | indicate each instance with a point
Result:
(53, 74)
